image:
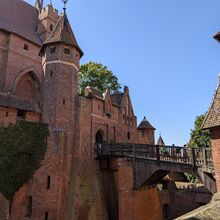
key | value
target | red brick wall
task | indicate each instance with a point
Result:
(4, 44)
(21, 61)
(8, 116)
(147, 204)
(215, 144)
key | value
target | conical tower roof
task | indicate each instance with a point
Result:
(160, 141)
(145, 124)
(62, 33)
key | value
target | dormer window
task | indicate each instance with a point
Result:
(52, 49)
(66, 51)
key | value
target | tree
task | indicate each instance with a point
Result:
(98, 76)
(199, 137)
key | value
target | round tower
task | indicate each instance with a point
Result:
(60, 59)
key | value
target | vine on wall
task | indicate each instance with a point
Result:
(22, 148)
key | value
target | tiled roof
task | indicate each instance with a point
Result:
(15, 102)
(145, 124)
(17, 16)
(160, 141)
(62, 33)
(212, 118)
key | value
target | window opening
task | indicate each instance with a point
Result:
(26, 47)
(21, 115)
(67, 51)
(29, 206)
(48, 182)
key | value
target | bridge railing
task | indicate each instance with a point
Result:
(203, 157)
(195, 156)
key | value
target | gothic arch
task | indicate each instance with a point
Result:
(27, 84)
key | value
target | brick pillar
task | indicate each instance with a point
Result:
(215, 144)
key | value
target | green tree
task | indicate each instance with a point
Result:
(199, 137)
(98, 76)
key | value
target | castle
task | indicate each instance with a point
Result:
(39, 64)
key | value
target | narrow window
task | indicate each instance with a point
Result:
(51, 73)
(46, 215)
(26, 47)
(143, 133)
(128, 135)
(21, 115)
(51, 27)
(98, 107)
(67, 51)
(48, 182)
(9, 208)
(29, 206)
(64, 102)
(52, 49)
(6, 114)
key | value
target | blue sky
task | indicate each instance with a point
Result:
(162, 50)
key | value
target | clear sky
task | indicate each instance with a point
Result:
(163, 50)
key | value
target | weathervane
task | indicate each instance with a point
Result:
(64, 2)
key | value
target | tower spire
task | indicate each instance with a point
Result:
(39, 5)
(64, 5)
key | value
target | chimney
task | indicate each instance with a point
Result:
(126, 90)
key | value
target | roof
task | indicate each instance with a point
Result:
(62, 33)
(117, 98)
(160, 141)
(10, 101)
(92, 92)
(18, 17)
(212, 118)
(145, 124)
(217, 36)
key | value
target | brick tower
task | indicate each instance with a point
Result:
(60, 60)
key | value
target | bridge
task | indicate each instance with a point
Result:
(153, 162)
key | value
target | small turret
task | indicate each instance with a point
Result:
(48, 17)
(147, 131)
(62, 36)
(60, 58)
(160, 141)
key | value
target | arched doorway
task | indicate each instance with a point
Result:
(99, 137)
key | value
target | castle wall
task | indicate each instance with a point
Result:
(85, 197)
(4, 43)
(8, 116)
(215, 143)
(21, 61)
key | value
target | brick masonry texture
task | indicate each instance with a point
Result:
(71, 184)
